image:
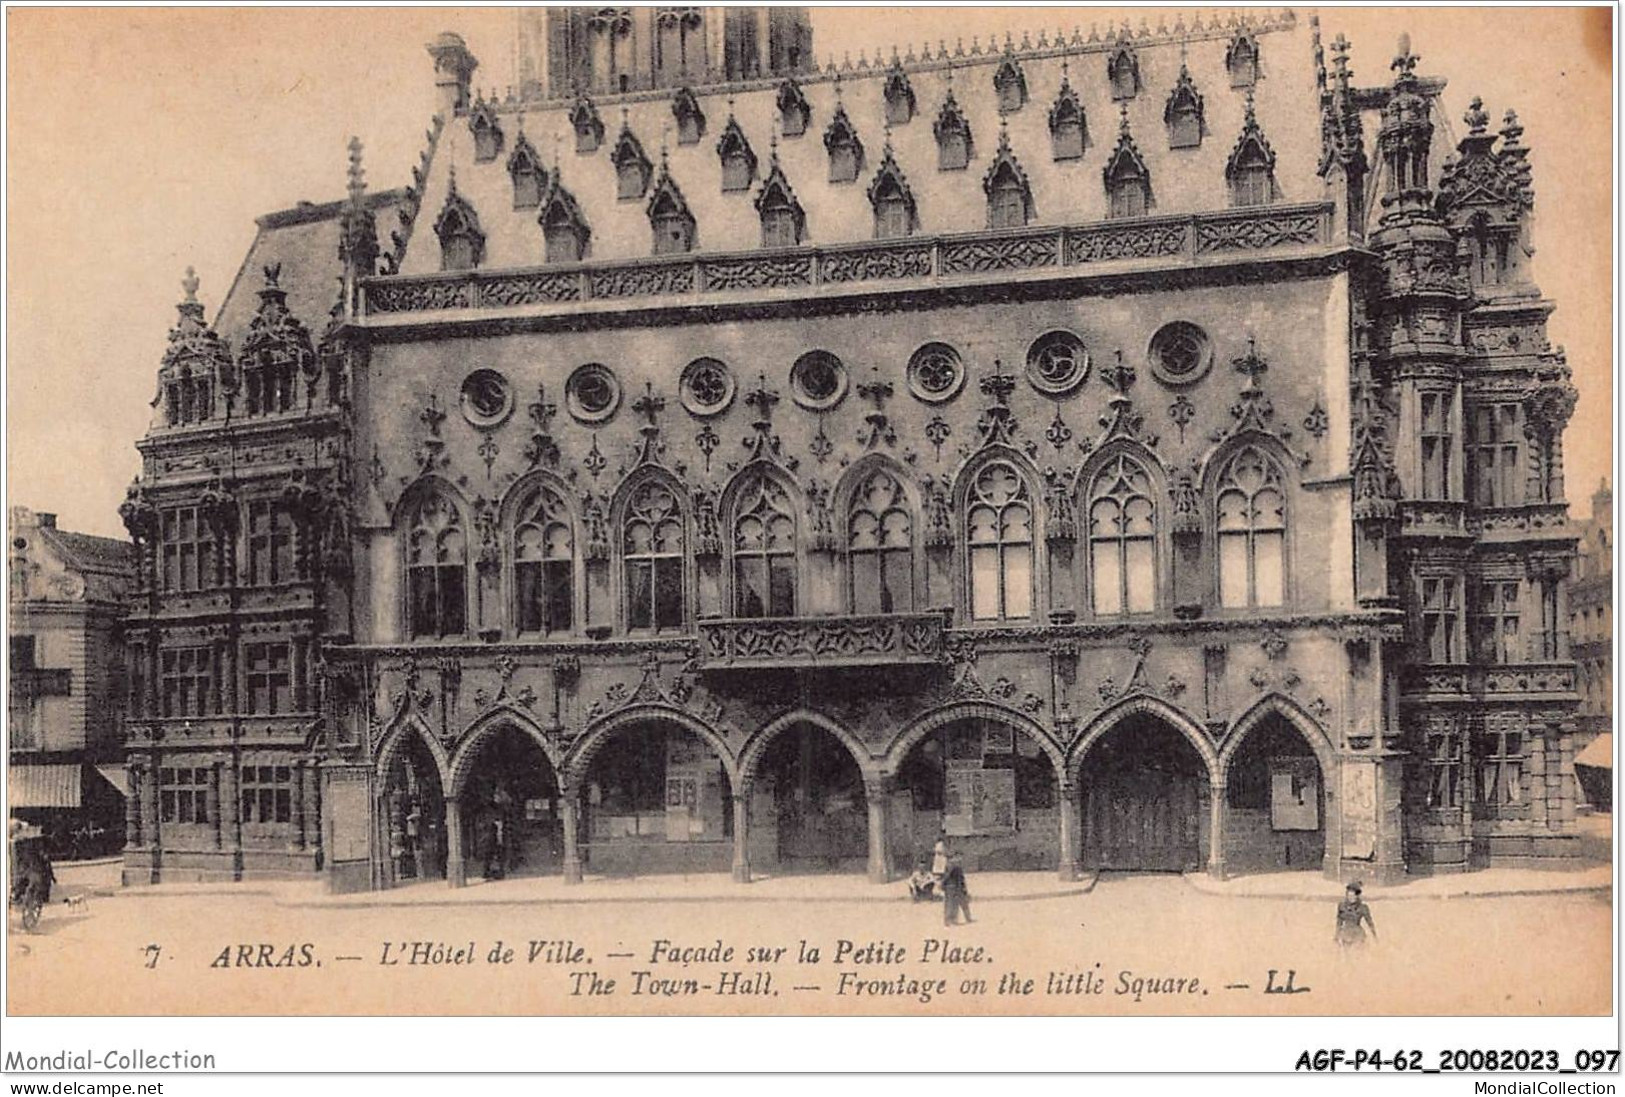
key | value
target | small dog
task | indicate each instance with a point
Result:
(77, 904)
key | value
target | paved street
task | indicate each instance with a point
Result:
(242, 952)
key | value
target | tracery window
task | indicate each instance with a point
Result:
(999, 525)
(880, 547)
(764, 549)
(1251, 524)
(652, 548)
(543, 564)
(436, 569)
(1122, 546)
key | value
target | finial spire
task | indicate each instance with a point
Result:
(190, 284)
(358, 183)
(1477, 118)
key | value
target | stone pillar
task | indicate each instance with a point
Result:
(215, 805)
(1068, 796)
(456, 872)
(1215, 828)
(297, 795)
(876, 791)
(149, 805)
(741, 806)
(132, 807)
(569, 809)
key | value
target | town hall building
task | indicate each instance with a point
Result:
(1132, 449)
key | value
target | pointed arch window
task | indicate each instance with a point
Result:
(1241, 60)
(893, 202)
(738, 160)
(880, 547)
(652, 553)
(543, 564)
(462, 244)
(632, 167)
(1252, 182)
(1122, 539)
(673, 225)
(783, 220)
(999, 531)
(794, 114)
(690, 118)
(482, 120)
(528, 175)
(1009, 199)
(953, 136)
(437, 569)
(844, 148)
(899, 96)
(564, 230)
(1183, 113)
(1251, 528)
(1067, 131)
(764, 549)
(589, 128)
(1128, 186)
(1123, 72)
(1010, 86)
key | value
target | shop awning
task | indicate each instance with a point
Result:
(117, 777)
(43, 786)
(1599, 753)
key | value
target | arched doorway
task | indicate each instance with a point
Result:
(990, 787)
(1275, 801)
(509, 804)
(414, 814)
(1145, 798)
(813, 794)
(656, 798)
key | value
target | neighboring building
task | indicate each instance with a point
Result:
(65, 704)
(1591, 629)
(1042, 443)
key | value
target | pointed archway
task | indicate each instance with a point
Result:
(1277, 768)
(810, 786)
(505, 785)
(412, 808)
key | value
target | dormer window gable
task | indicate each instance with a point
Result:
(487, 131)
(1250, 171)
(899, 96)
(783, 220)
(953, 134)
(1182, 114)
(462, 243)
(1068, 130)
(1128, 180)
(844, 148)
(794, 113)
(528, 175)
(589, 128)
(1241, 60)
(690, 118)
(565, 232)
(1123, 73)
(738, 160)
(1009, 85)
(632, 167)
(669, 217)
(1009, 197)
(892, 201)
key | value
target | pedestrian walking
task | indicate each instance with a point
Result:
(955, 895)
(1353, 917)
(939, 857)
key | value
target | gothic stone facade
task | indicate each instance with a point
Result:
(1042, 444)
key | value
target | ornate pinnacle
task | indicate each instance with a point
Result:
(1405, 61)
(1510, 130)
(1252, 366)
(999, 386)
(273, 271)
(358, 184)
(1477, 118)
(649, 405)
(1122, 122)
(762, 399)
(190, 284)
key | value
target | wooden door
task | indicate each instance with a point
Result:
(1142, 820)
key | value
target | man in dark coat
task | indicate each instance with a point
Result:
(1353, 917)
(955, 895)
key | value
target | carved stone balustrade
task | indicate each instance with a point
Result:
(889, 639)
(1546, 681)
(950, 259)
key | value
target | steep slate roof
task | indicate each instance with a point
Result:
(86, 552)
(1070, 191)
(305, 241)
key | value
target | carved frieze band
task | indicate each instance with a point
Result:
(1262, 229)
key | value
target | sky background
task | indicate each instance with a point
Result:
(143, 141)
